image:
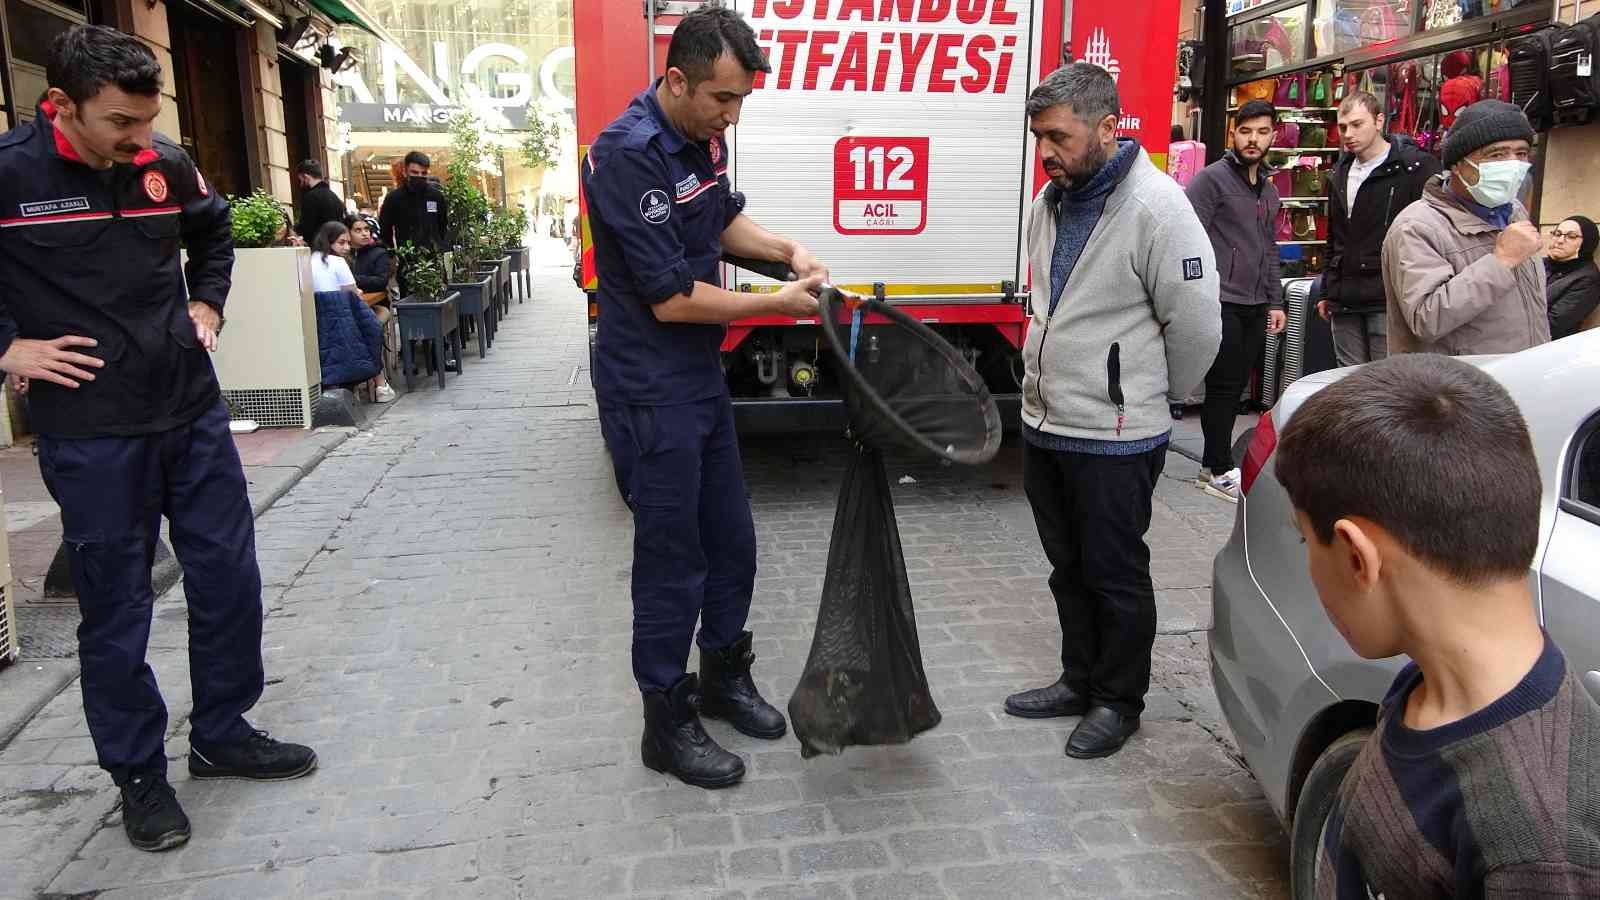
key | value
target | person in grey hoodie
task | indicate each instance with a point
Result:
(1237, 205)
(1124, 313)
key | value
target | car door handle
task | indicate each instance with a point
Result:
(1591, 680)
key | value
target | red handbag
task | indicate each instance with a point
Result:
(1284, 228)
(1287, 134)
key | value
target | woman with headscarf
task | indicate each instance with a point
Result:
(1573, 281)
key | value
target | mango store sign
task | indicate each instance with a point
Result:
(428, 102)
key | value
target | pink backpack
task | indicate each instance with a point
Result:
(1185, 159)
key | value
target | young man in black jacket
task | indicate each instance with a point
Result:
(416, 212)
(1375, 179)
(98, 326)
(319, 205)
(1238, 206)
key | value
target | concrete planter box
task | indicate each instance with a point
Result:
(266, 358)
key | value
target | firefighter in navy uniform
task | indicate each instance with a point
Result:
(96, 324)
(662, 212)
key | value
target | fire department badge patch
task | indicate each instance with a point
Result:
(716, 151)
(155, 186)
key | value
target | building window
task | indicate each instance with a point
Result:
(1345, 25)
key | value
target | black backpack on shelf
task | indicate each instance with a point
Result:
(1574, 78)
(1530, 77)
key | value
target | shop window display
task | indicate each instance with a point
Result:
(1444, 13)
(1269, 42)
(1345, 25)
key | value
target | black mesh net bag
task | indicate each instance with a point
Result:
(905, 388)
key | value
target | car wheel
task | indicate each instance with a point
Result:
(1311, 811)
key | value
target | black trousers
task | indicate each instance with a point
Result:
(1092, 513)
(1244, 336)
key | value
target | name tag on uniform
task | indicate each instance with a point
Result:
(433, 206)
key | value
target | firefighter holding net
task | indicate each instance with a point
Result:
(662, 213)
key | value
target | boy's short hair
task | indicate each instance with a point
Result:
(1430, 448)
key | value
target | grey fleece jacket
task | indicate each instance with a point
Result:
(1139, 317)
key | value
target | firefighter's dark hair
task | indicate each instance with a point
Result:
(706, 34)
(86, 58)
(1431, 449)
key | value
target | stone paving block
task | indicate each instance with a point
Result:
(755, 864)
(1012, 881)
(807, 861)
(900, 886)
(938, 846)
(785, 824)
(1044, 835)
(821, 891)
(1182, 872)
(854, 816)
(678, 872)
(703, 831)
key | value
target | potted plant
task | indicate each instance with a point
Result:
(271, 302)
(424, 274)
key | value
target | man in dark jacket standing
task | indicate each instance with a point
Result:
(319, 205)
(97, 324)
(417, 212)
(1375, 179)
(1238, 205)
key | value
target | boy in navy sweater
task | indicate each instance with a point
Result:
(1417, 492)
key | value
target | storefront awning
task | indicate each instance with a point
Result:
(351, 12)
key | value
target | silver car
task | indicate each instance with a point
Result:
(1298, 699)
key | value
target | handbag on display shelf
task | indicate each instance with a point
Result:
(1262, 89)
(1287, 134)
(1290, 92)
(1333, 137)
(1304, 225)
(1283, 181)
(1313, 137)
(1322, 227)
(1310, 181)
(1380, 23)
(1319, 91)
(1283, 229)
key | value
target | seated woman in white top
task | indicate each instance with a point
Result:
(331, 273)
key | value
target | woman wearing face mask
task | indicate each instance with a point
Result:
(349, 335)
(1461, 267)
(1574, 290)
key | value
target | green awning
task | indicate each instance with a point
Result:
(351, 12)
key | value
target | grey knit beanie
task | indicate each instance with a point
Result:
(1484, 123)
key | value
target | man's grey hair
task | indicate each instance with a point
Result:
(1085, 87)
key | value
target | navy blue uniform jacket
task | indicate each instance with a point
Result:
(658, 204)
(95, 253)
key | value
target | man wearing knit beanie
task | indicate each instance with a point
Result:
(1461, 271)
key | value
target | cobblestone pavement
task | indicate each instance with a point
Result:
(449, 624)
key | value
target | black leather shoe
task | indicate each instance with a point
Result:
(1047, 702)
(728, 693)
(256, 758)
(1101, 733)
(675, 743)
(151, 816)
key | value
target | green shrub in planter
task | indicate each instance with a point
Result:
(423, 272)
(256, 219)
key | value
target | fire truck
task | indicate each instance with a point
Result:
(890, 138)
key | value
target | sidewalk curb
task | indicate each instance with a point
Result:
(286, 472)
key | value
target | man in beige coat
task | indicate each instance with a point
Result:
(1461, 267)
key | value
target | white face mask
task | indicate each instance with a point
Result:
(1499, 182)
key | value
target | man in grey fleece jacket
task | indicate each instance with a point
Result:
(1125, 312)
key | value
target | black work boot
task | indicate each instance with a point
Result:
(731, 695)
(151, 816)
(675, 743)
(256, 758)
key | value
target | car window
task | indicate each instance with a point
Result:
(1585, 484)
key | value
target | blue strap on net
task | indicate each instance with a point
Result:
(855, 330)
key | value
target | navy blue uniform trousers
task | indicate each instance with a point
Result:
(113, 492)
(694, 542)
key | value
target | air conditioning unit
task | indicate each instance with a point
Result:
(266, 358)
